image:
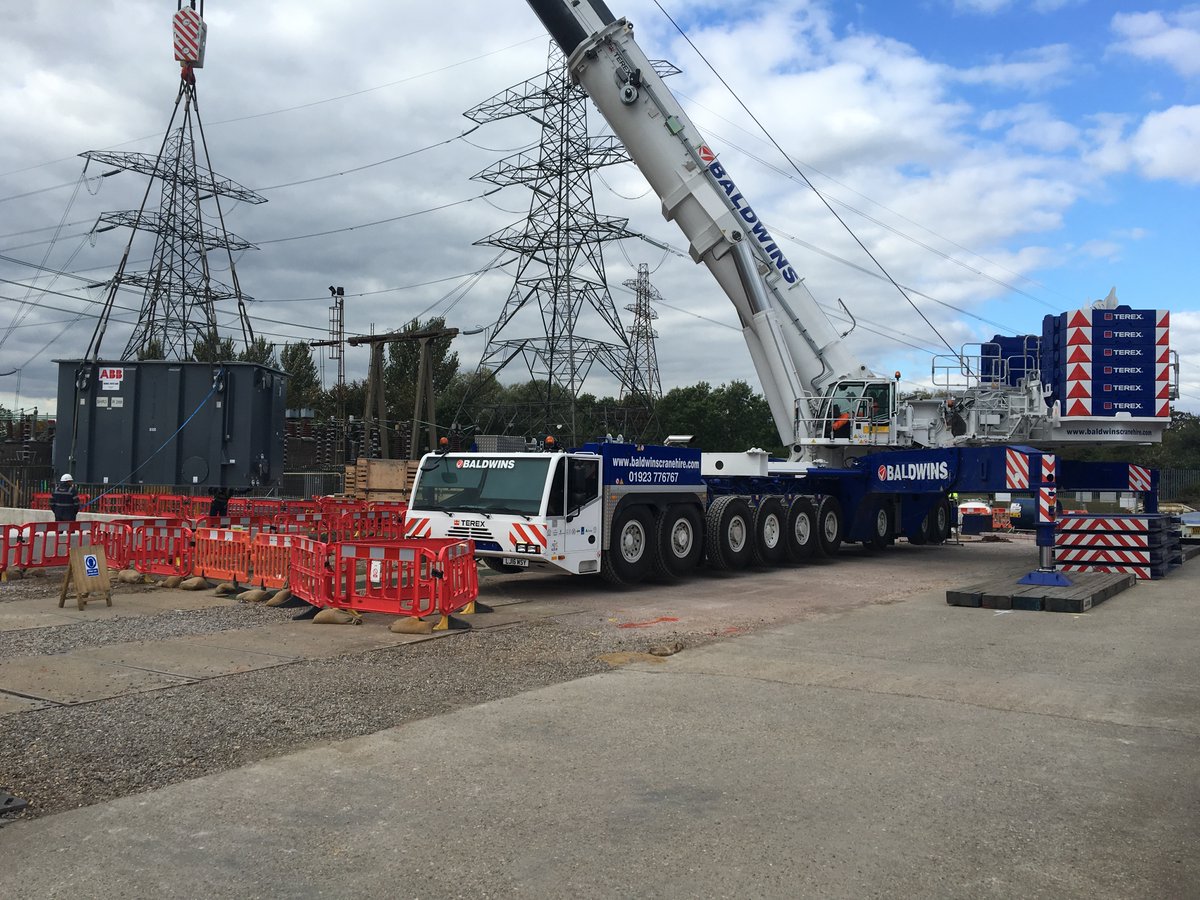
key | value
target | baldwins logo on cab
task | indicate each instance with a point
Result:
(930, 471)
(486, 463)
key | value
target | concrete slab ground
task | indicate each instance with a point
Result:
(71, 678)
(913, 749)
(41, 612)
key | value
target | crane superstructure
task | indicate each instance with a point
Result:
(862, 464)
(804, 365)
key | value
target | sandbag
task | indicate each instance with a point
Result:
(257, 595)
(280, 598)
(173, 581)
(333, 616)
(197, 583)
(225, 588)
(130, 576)
(410, 625)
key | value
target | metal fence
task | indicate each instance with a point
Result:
(1179, 485)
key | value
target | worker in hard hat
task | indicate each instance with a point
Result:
(64, 500)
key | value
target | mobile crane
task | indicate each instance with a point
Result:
(862, 464)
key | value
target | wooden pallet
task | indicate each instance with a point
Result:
(381, 479)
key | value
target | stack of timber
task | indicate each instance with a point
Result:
(381, 480)
(1147, 546)
(1088, 590)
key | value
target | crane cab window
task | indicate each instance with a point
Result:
(575, 484)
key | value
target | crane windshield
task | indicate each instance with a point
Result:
(483, 484)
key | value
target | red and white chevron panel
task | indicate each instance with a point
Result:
(1047, 505)
(1090, 556)
(1104, 523)
(1141, 572)
(1078, 401)
(527, 533)
(1016, 470)
(1049, 468)
(417, 529)
(189, 36)
(1125, 540)
(1139, 478)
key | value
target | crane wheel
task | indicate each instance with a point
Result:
(881, 527)
(729, 533)
(829, 526)
(679, 530)
(630, 553)
(801, 530)
(769, 547)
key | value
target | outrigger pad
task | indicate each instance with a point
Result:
(11, 804)
(1054, 579)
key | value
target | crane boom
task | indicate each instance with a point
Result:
(794, 348)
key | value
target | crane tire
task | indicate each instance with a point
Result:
(769, 546)
(679, 531)
(938, 529)
(801, 530)
(881, 527)
(630, 555)
(729, 533)
(830, 525)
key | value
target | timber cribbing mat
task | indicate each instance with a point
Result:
(1090, 589)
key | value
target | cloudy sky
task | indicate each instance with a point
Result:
(1003, 159)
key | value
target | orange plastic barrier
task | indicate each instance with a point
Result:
(163, 549)
(41, 545)
(340, 505)
(223, 554)
(298, 523)
(405, 578)
(377, 524)
(270, 556)
(173, 506)
(310, 575)
(40, 501)
(112, 504)
(117, 540)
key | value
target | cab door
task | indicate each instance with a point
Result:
(581, 535)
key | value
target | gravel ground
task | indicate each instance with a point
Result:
(62, 757)
(169, 624)
(65, 757)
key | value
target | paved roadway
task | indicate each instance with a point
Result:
(909, 749)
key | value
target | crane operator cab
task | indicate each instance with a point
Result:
(859, 412)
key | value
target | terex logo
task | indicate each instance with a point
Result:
(915, 472)
(1121, 317)
(1109, 335)
(774, 253)
(486, 463)
(1122, 370)
(1117, 351)
(470, 523)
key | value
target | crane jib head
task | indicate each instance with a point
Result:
(757, 228)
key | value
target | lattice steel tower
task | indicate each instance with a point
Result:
(559, 318)
(641, 379)
(179, 293)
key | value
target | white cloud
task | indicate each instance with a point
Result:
(1035, 126)
(1165, 145)
(1037, 69)
(1171, 37)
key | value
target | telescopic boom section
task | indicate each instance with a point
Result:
(795, 349)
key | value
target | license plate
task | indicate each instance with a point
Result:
(514, 561)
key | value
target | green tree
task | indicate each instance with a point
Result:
(304, 384)
(152, 349)
(401, 368)
(260, 351)
(213, 349)
(730, 417)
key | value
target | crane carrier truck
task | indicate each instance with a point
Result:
(862, 464)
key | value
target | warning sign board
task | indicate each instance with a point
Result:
(88, 575)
